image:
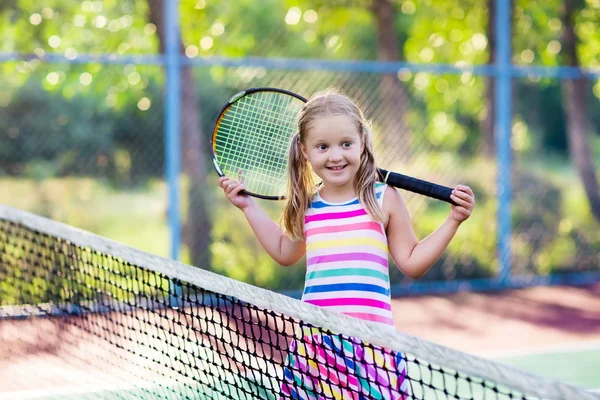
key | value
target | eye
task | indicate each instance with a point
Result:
(346, 145)
(321, 146)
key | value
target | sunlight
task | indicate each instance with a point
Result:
(479, 41)
(217, 29)
(191, 51)
(554, 47)
(54, 41)
(293, 16)
(53, 78)
(35, 19)
(144, 104)
(79, 20)
(85, 79)
(206, 43)
(310, 16)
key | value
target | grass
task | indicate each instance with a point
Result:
(135, 217)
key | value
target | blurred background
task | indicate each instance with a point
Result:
(107, 107)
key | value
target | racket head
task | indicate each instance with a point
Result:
(253, 134)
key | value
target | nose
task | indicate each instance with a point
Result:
(335, 154)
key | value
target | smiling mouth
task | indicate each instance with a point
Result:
(337, 168)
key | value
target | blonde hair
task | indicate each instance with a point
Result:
(301, 188)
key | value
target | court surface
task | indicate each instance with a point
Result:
(549, 331)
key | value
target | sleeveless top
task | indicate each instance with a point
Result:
(347, 259)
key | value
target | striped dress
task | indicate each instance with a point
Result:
(347, 272)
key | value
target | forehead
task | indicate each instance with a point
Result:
(332, 127)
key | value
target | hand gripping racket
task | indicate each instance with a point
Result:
(253, 133)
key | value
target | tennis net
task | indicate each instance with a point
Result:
(91, 310)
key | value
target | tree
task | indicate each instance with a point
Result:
(489, 145)
(574, 92)
(394, 94)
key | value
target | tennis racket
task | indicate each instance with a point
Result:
(253, 133)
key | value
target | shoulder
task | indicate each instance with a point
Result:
(394, 209)
(388, 192)
(392, 201)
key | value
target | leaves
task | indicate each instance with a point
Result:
(64, 118)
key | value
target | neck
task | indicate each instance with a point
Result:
(337, 195)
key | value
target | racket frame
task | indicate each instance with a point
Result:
(234, 99)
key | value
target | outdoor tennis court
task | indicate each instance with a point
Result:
(575, 364)
(579, 365)
(576, 368)
(130, 335)
(126, 273)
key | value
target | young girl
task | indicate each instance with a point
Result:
(346, 228)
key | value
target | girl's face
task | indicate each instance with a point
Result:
(333, 147)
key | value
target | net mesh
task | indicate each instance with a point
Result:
(102, 320)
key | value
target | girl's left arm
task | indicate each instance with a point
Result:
(413, 257)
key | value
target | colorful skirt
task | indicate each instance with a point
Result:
(327, 366)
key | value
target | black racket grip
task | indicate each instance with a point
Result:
(415, 185)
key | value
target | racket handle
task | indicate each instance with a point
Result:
(416, 185)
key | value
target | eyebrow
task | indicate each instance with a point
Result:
(348, 139)
(344, 139)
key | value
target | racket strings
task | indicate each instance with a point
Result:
(255, 153)
(254, 135)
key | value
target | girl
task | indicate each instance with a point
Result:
(346, 228)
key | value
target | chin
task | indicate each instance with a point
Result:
(339, 182)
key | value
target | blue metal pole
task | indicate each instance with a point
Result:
(172, 121)
(503, 124)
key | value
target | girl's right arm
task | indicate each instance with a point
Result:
(271, 237)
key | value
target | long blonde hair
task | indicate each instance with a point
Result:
(301, 187)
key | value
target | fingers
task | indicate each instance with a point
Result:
(231, 187)
(223, 181)
(236, 189)
(466, 189)
(464, 198)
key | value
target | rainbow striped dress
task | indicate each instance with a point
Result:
(347, 272)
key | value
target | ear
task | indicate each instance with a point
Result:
(303, 150)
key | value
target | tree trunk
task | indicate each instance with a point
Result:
(489, 140)
(395, 132)
(197, 228)
(574, 93)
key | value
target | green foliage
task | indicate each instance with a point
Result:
(45, 134)
(543, 113)
(552, 226)
(71, 27)
(277, 28)
(537, 32)
(85, 119)
(132, 216)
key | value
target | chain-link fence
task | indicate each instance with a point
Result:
(86, 132)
